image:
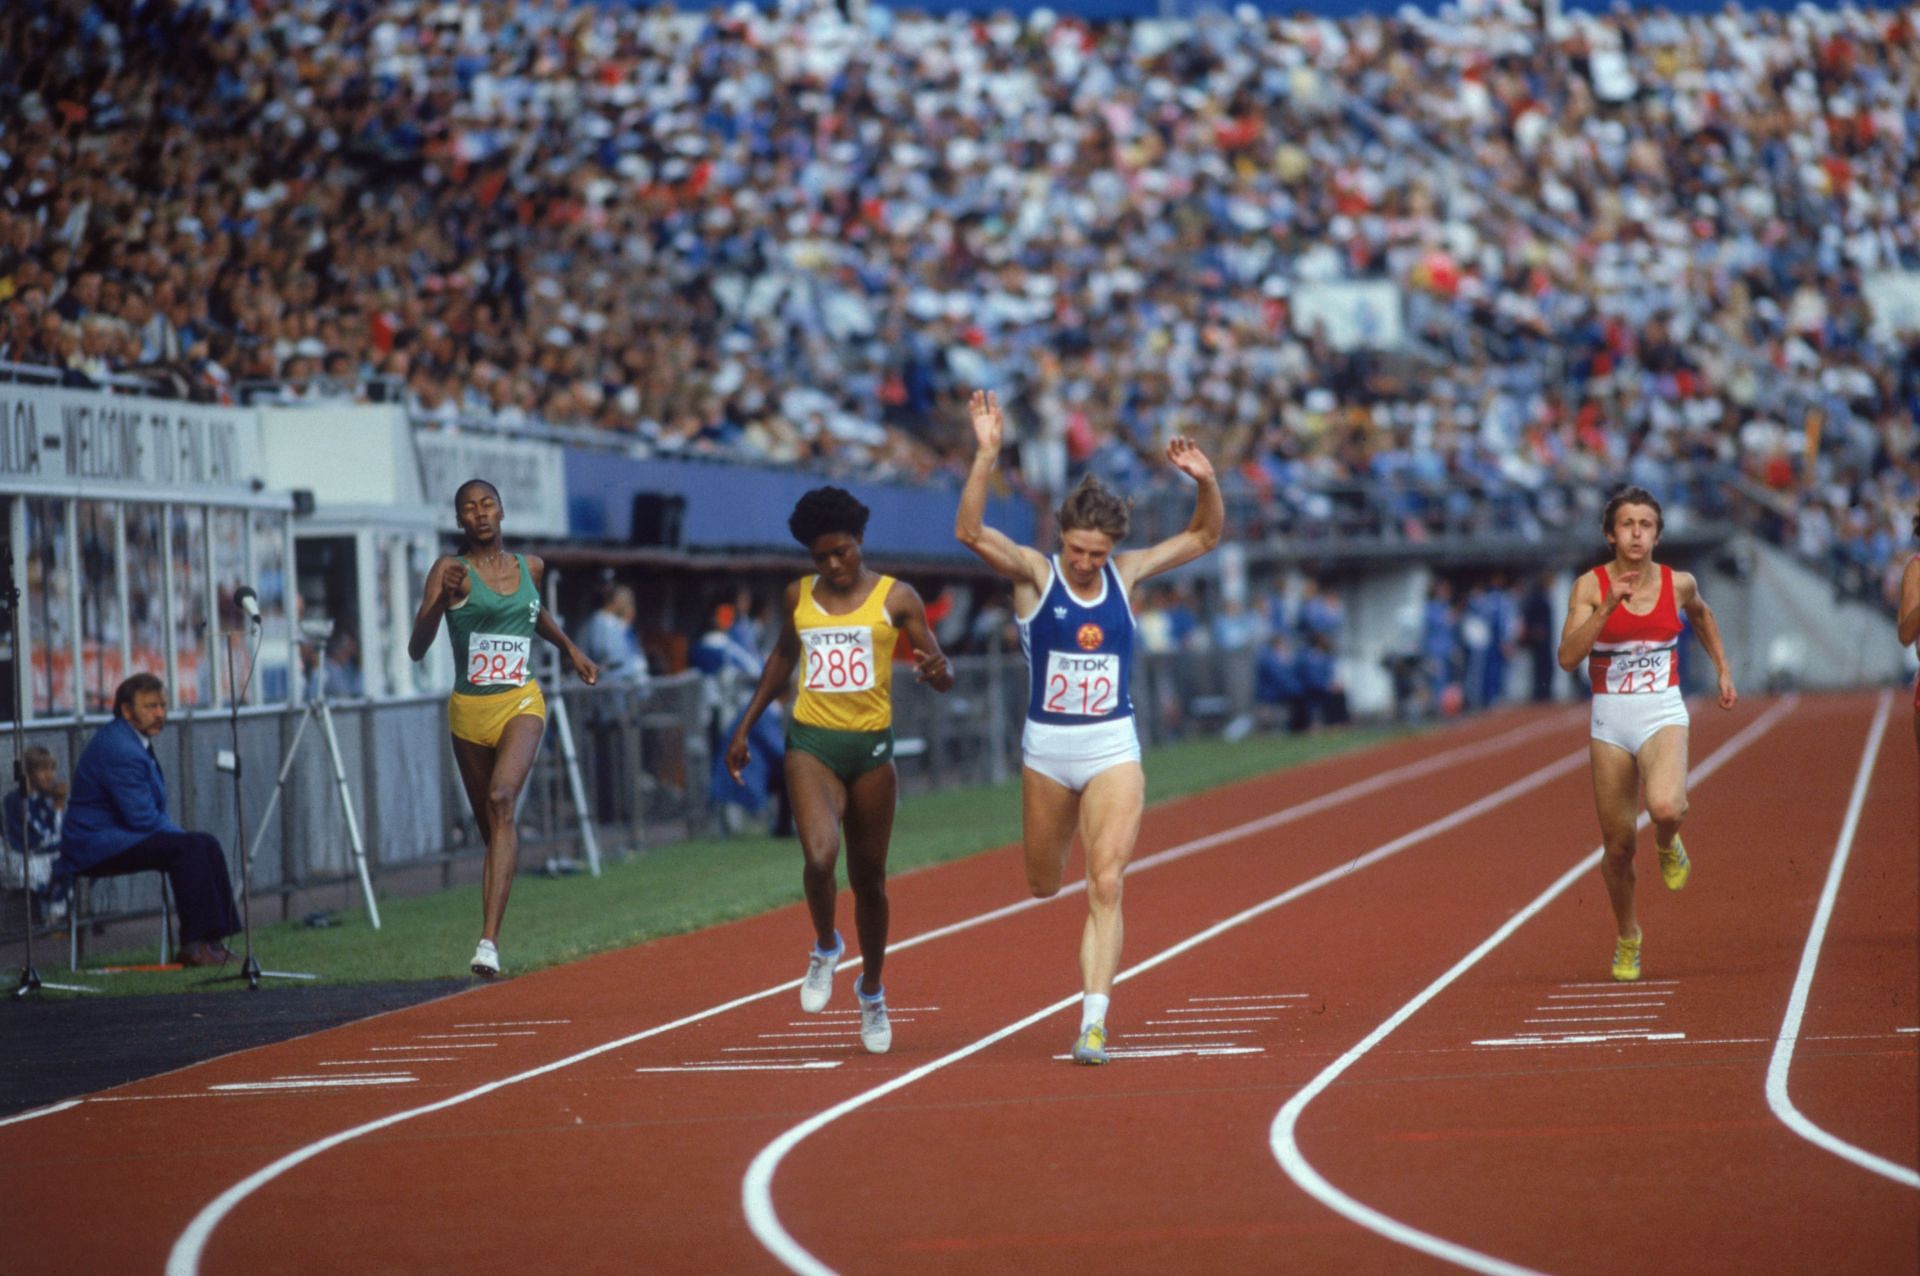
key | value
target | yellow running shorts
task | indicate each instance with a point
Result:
(481, 719)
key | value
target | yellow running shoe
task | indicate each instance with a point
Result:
(1675, 866)
(1092, 1046)
(1626, 959)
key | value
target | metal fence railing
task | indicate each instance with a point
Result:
(645, 759)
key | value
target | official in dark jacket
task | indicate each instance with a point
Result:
(117, 823)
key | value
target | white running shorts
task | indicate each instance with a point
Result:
(1629, 721)
(1072, 756)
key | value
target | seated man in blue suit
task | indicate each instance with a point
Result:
(117, 823)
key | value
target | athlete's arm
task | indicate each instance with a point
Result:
(774, 676)
(1017, 563)
(1686, 592)
(1202, 531)
(909, 614)
(549, 628)
(1586, 613)
(1909, 615)
(446, 581)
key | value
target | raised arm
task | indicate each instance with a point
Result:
(1909, 615)
(1016, 562)
(446, 581)
(1202, 531)
(909, 615)
(774, 676)
(1686, 592)
(549, 628)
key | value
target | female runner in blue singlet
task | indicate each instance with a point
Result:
(1081, 756)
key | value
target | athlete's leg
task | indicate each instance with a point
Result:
(1616, 796)
(1049, 811)
(870, 806)
(512, 761)
(475, 764)
(1663, 777)
(1109, 826)
(819, 802)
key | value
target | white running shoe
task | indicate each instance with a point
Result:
(876, 1034)
(817, 988)
(486, 960)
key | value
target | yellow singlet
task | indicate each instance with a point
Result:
(846, 662)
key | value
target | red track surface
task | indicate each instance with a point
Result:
(1625, 1153)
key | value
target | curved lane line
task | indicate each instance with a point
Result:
(1286, 1148)
(756, 1190)
(1782, 1061)
(184, 1260)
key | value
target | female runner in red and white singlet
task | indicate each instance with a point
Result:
(1639, 733)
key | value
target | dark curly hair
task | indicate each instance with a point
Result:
(1632, 496)
(1090, 507)
(826, 510)
(461, 491)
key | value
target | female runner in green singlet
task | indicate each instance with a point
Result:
(491, 601)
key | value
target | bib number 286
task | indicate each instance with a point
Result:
(838, 661)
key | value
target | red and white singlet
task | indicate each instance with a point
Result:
(1635, 655)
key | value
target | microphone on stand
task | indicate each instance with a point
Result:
(249, 602)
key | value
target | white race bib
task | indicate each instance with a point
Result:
(498, 660)
(1640, 669)
(1082, 686)
(837, 661)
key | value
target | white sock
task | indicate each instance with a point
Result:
(1093, 1010)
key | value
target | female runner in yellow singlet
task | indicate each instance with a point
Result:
(839, 631)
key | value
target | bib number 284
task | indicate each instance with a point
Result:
(498, 660)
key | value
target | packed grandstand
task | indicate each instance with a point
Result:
(1620, 244)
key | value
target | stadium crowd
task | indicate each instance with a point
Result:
(1625, 243)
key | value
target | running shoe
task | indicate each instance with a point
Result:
(1092, 1046)
(876, 1034)
(486, 960)
(1675, 866)
(817, 988)
(1626, 959)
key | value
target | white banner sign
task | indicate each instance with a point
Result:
(123, 445)
(1354, 314)
(1894, 298)
(530, 477)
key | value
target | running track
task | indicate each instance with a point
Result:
(1365, 1025)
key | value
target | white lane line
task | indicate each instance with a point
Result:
(454, 1036)
(184, 1258)
(819, 1045)
(312, 1076)
(410, 1060)
(1205, 1032)
(1161, 1023)
(1907, 1029)
(1214, 1010)
(1781, 1063)
(1592, 1039)
(49, 1110)
(471, 1045)
(1588, 996)
(1591, 1019)
(1286, 1148)
(1272, 996)
(794, 1066)
(1613, 1005)
(514, 1023)
(756, 1190)
(1170, 1052)
(334, 1083)
(837, 1032)
(1614, 986)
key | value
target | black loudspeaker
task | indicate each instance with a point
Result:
(658, 518)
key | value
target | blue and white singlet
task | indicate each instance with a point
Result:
(1079, 663)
